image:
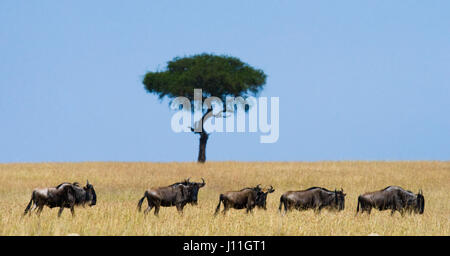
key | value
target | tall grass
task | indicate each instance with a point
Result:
(120, 185)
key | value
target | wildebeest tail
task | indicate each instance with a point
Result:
(221, 197)
(359, 202)
(139, 206)
(281, 204)
(29, 204)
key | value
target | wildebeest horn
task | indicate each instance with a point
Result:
(271, 189)
(203, 181)
(87, 182)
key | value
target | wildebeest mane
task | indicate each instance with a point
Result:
(311, 188)
(179, 183)
(64, 183)
(184, 182)
(409, 191)
(253, 188)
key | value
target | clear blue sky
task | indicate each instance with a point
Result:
(357, 80)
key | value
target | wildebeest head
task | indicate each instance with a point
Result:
(261, 196)
(192, 189)
(91, 197)
(339, 199)
(420, 204)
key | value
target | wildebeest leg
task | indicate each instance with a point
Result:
(149, 208)
(285, 204)
(149, 201)
(33, 207)
(318, 209)
(394, 208)
(399, 207)
(226, 207)
(392, 211)
(180, 208)
(39, 210)
(156, 210)
(60, 211)
(157, 206)
(282, 200)
(288, 206)
(72, 210)
(249, 209)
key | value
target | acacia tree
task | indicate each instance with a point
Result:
(216, 75)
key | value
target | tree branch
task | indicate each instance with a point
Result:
(196, 124)
(205, 117)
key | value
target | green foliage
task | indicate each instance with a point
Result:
(219, 76)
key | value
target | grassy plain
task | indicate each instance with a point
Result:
(120, 185)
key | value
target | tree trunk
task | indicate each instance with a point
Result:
(202, 147)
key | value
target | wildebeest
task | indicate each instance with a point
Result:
(178, 194)
(394, 198)
(246, 198)
(313, 198)
(65, 195)
(261, 199)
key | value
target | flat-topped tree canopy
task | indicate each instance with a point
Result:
(216, 75)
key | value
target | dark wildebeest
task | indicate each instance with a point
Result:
(261, 199)
(178, 194)
(246, 198)
(65, 195)
(313, 198)
(394, 198)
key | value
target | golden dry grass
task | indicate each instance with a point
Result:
(120, 185)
